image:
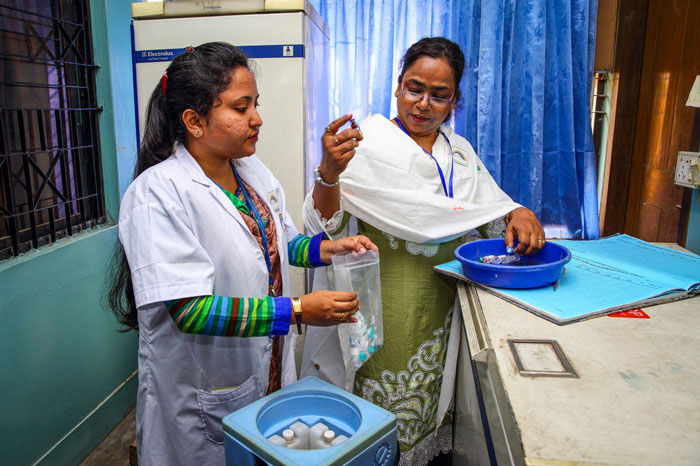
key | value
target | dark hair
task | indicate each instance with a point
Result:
(436, 47)
(194, 81)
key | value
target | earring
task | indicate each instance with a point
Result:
(197, 132)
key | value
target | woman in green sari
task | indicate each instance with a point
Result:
(415, 188)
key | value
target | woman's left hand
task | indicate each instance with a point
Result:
(527, 229)
(357, 243)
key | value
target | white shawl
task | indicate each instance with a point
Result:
(394, 186)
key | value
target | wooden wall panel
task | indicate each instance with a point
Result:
(668, 226)
(655, 115)
(606, 25)
(652, 123)
(628, 64)
(658, 188)
(649, 217)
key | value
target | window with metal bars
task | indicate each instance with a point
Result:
(50, 171)
(600, 108)
(600, 121)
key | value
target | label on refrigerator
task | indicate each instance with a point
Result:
(253, 51)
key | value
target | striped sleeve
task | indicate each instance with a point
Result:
(305, 251)
(231, 317)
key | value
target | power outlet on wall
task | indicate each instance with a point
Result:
(688, 169)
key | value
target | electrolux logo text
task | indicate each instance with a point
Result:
(147, 56)
(159, 54)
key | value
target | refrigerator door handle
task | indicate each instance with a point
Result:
(472, 315)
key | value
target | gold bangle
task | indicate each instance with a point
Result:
(508, 217)
(296, 307)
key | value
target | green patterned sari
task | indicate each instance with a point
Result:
(405, 375)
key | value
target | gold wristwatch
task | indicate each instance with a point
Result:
(296, 308)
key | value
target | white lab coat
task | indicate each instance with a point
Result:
(183, 237)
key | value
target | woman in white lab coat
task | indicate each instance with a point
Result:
(208, 244)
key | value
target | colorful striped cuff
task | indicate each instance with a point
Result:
(232, 317)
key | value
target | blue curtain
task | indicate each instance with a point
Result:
(526, 89)
(368, 38)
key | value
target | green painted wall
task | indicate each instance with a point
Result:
(68, 374)
(111, 26)
(61, 351)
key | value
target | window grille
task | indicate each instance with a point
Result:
(600, 108)
(600, 122)
(50, 171)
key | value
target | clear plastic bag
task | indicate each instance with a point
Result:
(360, 273)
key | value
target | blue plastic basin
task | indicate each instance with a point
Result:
(541, 269)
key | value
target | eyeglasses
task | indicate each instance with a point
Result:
(413, 96)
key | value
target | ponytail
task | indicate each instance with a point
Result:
(121, 291)
(158, 141)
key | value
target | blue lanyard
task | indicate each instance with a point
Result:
(259, 221)
(449, 193)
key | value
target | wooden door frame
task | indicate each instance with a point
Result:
(631, 29)
(622, 183)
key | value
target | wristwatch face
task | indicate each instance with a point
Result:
(296, 308)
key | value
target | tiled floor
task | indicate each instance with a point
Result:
(114, 449)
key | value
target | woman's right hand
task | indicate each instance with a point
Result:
(338, 148)
(326, 308)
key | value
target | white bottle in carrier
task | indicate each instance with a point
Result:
(301, 431)
(277, 440)
(292, 440)
(338, 440)
(316, 435)
(328, 437)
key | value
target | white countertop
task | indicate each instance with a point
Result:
(637, 398)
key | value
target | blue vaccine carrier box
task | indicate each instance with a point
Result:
(371, 430)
